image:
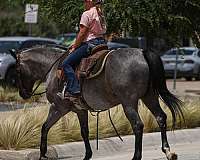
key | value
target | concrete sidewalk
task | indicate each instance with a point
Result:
(186, 143)
(113, 148)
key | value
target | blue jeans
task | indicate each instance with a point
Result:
(73, 60)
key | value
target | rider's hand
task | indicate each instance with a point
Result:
(71, 48)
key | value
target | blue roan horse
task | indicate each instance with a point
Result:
(129, 75)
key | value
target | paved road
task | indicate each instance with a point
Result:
(186, 143)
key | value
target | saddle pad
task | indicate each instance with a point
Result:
(99, 65)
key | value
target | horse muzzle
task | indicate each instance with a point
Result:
(25, 94)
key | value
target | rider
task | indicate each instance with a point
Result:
(92, 29)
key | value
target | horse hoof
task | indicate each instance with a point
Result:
(43, 158)
(173, 156)
(88, 156)
(87, 159)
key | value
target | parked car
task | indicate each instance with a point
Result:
(68, 38)
(114, 45)
(188, 62)
(7, 62)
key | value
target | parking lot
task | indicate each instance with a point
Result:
(184, 87)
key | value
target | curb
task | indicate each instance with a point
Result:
(28, 154)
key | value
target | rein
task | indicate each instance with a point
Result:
(97, 121)
(42, 79)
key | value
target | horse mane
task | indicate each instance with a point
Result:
(52, 47)
(41, 53)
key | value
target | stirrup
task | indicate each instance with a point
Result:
(72, 95)
(59, 94)
(62, 94)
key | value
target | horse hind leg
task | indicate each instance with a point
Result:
(53, 116)
(132, 115)
(152, 103)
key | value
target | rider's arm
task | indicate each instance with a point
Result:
(81, 36)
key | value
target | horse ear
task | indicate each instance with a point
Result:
(13, 53)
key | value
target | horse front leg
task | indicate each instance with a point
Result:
(137, 126)
(83, 120)
(53, 116)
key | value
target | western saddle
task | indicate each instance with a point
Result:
(89, 66)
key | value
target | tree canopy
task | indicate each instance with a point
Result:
(149, 18)
(169, 19)
(12, 20)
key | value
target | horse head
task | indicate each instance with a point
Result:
(25, 81)
(34, 64)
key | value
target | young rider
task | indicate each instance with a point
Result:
(92, 29)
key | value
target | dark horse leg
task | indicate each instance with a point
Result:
(53, 116)
(131, 113)
(83, 120)
(152, 102)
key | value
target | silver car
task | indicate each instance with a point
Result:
(7, 62)
(188, 62)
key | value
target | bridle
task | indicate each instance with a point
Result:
(19, 78)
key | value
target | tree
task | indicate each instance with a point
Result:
(167, 19)
(66, 14)
(12, 21)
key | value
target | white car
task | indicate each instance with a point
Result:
(187, 60)
(7, 62)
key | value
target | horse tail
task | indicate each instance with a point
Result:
(158, 82)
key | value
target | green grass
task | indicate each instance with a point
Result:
(21, 129)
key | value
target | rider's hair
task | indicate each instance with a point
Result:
(101, 15)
